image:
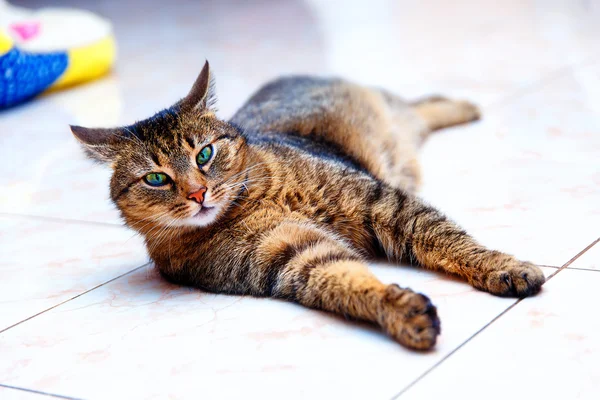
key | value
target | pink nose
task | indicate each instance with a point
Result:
(198, 196)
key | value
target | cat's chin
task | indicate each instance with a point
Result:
(205, 216)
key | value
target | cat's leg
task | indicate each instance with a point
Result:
(308, 265)
(409, 124)
(439, 112)
(407, 228)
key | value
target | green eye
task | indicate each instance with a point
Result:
(156, 179)
(205, 154)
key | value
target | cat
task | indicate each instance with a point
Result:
(291, 197)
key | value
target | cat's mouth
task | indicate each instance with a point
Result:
(204, 212)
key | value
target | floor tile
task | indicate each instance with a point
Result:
(44, 263)
(545, 347)
(139, 332)
(53, 178)
(526, 179)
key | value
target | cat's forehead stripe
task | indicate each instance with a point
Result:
(155, 159)
(189, 141)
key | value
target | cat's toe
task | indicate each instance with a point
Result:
(410, 318)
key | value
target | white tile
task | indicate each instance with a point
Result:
(45, 263)
(526, 179)
(546, 347)
(49, 175)
(151, 339)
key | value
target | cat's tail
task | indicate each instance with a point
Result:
(439, 112)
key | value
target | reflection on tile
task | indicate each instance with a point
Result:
(545, 347)
(45, 263)
(145, 332)
(525, 179)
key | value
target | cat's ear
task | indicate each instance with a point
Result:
(99, 144)
(202, 96)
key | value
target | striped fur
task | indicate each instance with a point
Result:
(311, 179)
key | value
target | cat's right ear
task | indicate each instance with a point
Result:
(202, 96)
(99, 144)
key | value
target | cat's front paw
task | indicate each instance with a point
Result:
(409, 318)
(507, 276)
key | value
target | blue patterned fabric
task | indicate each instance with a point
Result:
(24, 75)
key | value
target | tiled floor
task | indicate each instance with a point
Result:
(82, 315)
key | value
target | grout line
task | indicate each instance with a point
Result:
(420, 377)
(415, 381)
(589, 246)
(63, 220)
(74, 297)
(557, 74)
(571, 268)
(38, 392)
(580, 269)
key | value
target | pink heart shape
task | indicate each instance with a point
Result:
(26, 30)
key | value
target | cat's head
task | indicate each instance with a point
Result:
(181, 167)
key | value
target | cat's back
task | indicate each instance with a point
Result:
(276, 103)
(301, 112)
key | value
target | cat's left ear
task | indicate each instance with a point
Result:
(202, 96)
(100, 144)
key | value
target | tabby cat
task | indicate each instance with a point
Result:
(309, 180)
